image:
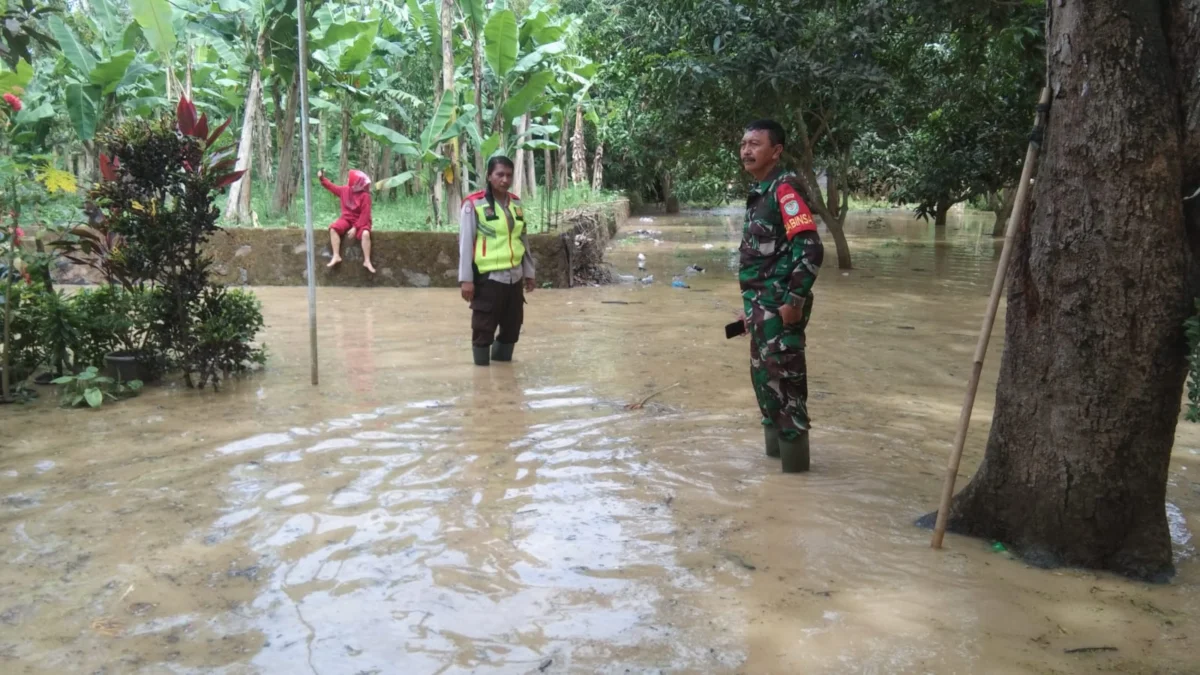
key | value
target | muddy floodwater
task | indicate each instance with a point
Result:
(415, 514)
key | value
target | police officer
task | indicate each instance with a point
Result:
(779, 257)
(494, 266)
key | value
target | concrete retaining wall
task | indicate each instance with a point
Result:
(276, 257)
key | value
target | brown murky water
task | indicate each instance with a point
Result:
(415, 514)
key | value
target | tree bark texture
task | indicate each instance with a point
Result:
(940, 212)
(1092, 374)
(237, 209)
(284, 196)
(598, 168)
(1003, 208)
(322, 139)
(831, 212)
(579, 151)
(263, 142)
(530, 168)
(560, 178)
(518, 183)
(344, 155)
(451, 184)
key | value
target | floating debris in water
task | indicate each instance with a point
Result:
(694, 269)
(648, 280)
(679, 283)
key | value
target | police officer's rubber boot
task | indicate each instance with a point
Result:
(502, 351)
(772, 437)
(481, 355)
(794, 453)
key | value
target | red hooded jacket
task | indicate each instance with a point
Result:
(355, 199)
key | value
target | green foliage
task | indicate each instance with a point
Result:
(59, 328)
(1192, 328)
(112, 320)
(227, 322)
(92, 389)
(154, 16)
(25, 350)
(161, 180)
(23, 29)
(501, 42)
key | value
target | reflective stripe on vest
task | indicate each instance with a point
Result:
(496, 246)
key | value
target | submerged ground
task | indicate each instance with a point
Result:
(415, 514)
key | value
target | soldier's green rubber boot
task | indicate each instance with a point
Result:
(772, 436)
(502, 352)
(481, 355)
(794, 453)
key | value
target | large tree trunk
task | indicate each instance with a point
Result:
(1091, 379)
(598, 168)
(238, 207)
(263, 142)
(344, 155)
(940, 211)
(560, 178)
(831, 212)
(579, 151)
(385, 169)
(1003, 208)
(531, 173)
(322, 139)
(670, 201)
(518, 184)
(282, 202)
(452, 181)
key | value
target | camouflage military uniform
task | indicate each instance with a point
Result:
(780, 255)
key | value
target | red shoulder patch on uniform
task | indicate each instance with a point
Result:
(513, 196)
(796, 216)
(477, 195)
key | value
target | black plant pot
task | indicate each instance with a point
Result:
(45, 378)
(126, 366)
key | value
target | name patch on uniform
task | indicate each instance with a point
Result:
(518, 212)
(489, 213)
(796, 216)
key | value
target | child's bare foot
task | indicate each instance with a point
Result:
(335, 261)
(370, 268)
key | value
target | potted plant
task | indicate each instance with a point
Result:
(153, 213)
(117, 333)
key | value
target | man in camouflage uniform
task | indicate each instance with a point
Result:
(780, 255)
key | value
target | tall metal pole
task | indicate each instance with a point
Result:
(307, 171)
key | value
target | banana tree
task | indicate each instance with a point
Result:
(100, 78)
(523, 57)
(441, 127)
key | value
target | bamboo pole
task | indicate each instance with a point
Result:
(989, 319)
(307, 172)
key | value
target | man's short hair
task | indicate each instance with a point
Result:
(774, 130)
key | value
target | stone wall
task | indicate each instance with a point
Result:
(276, 257)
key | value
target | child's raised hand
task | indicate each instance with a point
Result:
(320, 173)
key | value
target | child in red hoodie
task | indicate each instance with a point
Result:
(355, 197)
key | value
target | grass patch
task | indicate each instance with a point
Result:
(408, 214)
